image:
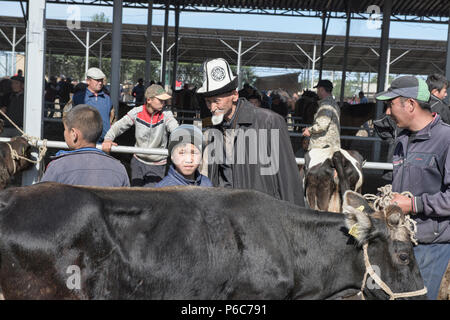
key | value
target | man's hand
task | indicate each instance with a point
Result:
(306, 132)
(403, 202)
(107, 144)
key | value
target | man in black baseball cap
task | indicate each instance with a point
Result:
(325, 129)
(325, 84)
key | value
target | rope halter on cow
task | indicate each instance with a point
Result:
(33, 141)
(380, 203)
(382, 284)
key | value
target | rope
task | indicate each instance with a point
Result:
(382, 284)
(382, 201)
(33, 141)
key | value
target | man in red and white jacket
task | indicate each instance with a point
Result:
(153, 124)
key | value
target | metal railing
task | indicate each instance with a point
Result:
(164, 152)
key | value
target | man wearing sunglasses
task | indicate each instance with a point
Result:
(422, 166)
(94, 95)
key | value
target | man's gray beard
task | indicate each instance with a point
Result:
(217, 119)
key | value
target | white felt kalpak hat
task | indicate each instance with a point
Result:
(217, 78)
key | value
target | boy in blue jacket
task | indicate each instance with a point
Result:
(185, 150)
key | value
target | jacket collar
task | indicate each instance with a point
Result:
(180, 178)
(425, 133)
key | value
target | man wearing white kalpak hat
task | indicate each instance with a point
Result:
(247, 147)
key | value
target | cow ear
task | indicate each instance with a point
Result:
(394, 216)
(358, 224)
(356, 201)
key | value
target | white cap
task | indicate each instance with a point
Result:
(95, 73)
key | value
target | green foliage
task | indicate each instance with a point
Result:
(131, 69)
(100, 17)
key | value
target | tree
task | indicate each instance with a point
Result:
(100, 17)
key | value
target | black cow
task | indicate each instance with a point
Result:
(10, 165)
(190, 243)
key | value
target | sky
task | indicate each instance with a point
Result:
(404, 30)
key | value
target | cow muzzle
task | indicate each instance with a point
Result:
(382, 284)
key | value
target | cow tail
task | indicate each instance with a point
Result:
(344, 185)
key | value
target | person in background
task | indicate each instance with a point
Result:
(185, 150)
(438, 84)
(363, 98)
(94, 95)
(84, 164)
(14, 107)
(139, 93)
(153, 124)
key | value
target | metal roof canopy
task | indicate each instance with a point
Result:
(429, 11)
(280, 50)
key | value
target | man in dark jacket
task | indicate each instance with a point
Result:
(437, 84)
(247, 147)
(421, 166)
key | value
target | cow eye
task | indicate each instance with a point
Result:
(404, 258)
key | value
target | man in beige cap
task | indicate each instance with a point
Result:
(153, 124)
(94, 95)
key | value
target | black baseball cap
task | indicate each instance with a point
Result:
(407, 87)
(324, 84)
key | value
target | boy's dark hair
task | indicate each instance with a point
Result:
(437, 81)
(87, 119)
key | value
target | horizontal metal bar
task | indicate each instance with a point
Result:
(117, 149)
(367, 165)
(164, 152)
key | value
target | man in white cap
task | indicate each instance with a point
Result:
(247, 147)
(153, 123)
(95, 96)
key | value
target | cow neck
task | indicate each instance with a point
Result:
(382, 284)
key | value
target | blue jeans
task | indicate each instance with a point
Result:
(432, 260)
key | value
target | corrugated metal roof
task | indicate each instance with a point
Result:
(433, 8)
(275, 49)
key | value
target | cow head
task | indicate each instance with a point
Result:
(23, 149)
(9, 165)
(390, 250)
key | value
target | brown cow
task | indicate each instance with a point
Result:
(10, 164)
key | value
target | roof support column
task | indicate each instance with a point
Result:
(447, 65)
(34, 80)
(148, 47)
(86, 65)
(100, 56)
(164, 45)
(388, 67)
(116, 55)
(239, 55)
(383, 66)
(325, 23)
(13, 61)
(344, 67)
(313, 65)
(175, 54)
